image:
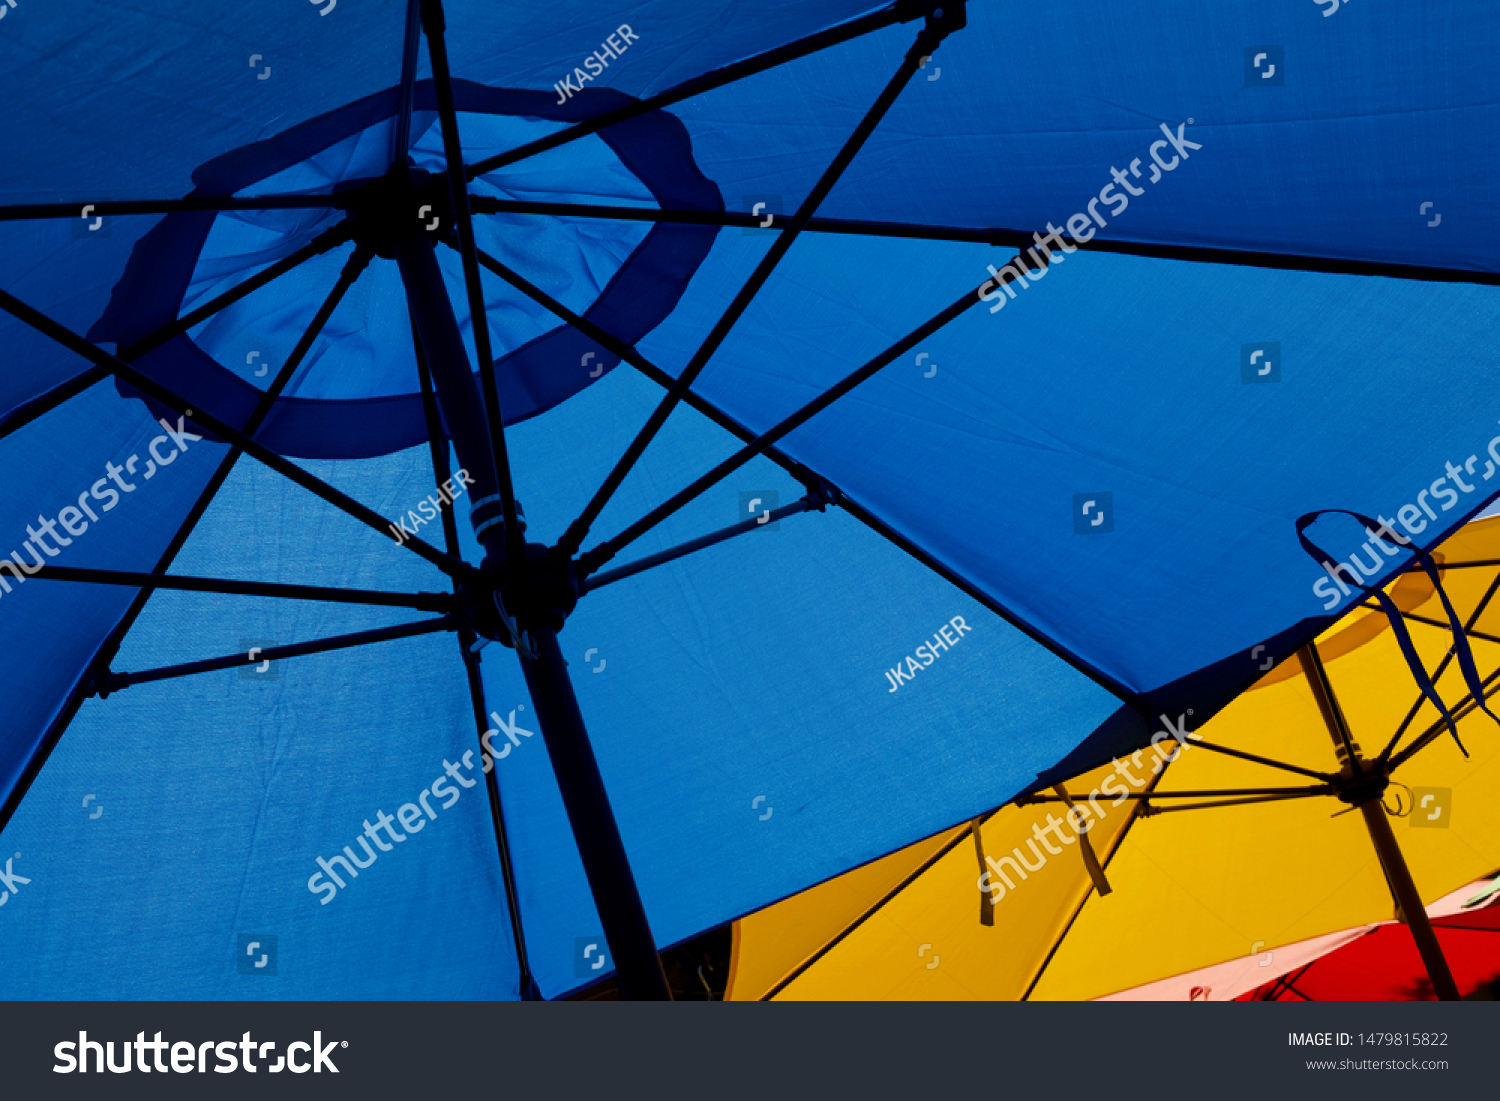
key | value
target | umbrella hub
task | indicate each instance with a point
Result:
(1360, 781)
(509, 601)
(386, 209)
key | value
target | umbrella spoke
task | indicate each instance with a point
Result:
(1149, 811)
(728, 219)
(122, 207)
(629, 354)
(426, 602)
(1416, 567)
(437, 50)
(45, 403)
(879, 903)
(410, 47)
(927, 41)
(1267, 761)
(470, 658)
(117, 366)
(1116, 688)
(902, 12)
(999, 237)
(1467, 705)
(671, 554)
(1258, 793)
(110, 681)
(1429, 621)
(328, 239)
(79, 383)
(593, 559)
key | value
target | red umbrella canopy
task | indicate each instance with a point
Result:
(1383, 965)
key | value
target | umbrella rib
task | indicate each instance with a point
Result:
(1416, 566)
(803, 474)
(1286, 982)
(578, 530)
(117, 366)
(671, 554)
(437, 51)
(1151, 811)
(995, 236)
(628, 354)
(324, 242)
(902, 12)
(1442, 665)
(1114, 687)
(1464, 707)
(45, 403)
(1429, 621)
(410, 48)
(1242, 755)
(189, 203)
(603, 552)
(1133, 816)
(796, 972)
(109, 681)
(1274, 793)
(426, 602)
(438, 444)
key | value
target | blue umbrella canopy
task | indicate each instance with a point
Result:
(1042, 508)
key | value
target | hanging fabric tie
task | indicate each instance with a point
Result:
(1090, 858)
(986, 906)
(1461, 648)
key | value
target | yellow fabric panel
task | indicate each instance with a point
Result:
(768, 944)
(1214, 884)
(884, 957)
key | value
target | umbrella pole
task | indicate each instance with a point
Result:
(1412, 910)
(1361, 774)
(605, 863)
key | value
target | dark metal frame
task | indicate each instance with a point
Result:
(442, 384)
(998, 237)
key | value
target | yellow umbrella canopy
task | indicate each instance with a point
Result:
(1239, 844)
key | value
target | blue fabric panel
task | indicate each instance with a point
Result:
(221, 790)
(1115, 375)
(125, 103)
(64, 269)
(50, 630)
(1374, 113)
